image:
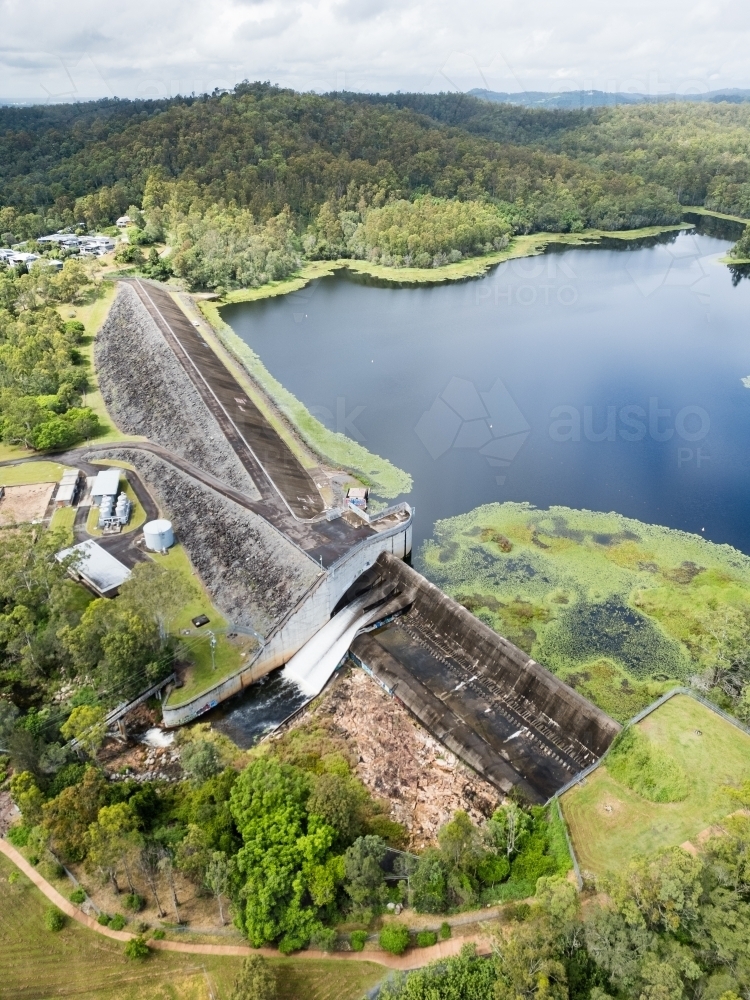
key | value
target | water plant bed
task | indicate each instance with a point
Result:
(610, 823)
(617, 608)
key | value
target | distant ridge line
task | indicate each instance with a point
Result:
(578, 99)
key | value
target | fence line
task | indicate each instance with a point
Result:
(638, 717)
(576, 867)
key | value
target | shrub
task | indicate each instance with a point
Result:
(34, 859)
(18, 835)
(357, 940)
(118, 922)
(649, 770)
(77, 896)
(14, 877)
(54, 920)
(256, 980)
(426, 939)
(323, 938)
(133, 902)
(445, 930)
(136, 948)
(159, 935)
(51, 869)
(493, 868)
(103, 919)
(394, 938)
(518, 912)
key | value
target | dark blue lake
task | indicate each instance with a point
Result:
(599, 378)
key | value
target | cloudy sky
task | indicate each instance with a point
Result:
(77, 49)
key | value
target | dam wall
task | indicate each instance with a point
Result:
(504, 714)
(310, 613)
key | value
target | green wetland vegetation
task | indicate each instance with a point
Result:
(621, 610)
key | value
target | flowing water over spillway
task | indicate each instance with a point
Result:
(606, 378)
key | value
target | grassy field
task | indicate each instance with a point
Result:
(64, 518)
(30, 472)
(38, 964)
(610, 823)
(228, 658)
(618, 608)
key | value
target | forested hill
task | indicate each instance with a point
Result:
(266, 148)
(322, 165)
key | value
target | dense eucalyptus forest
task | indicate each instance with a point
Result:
(244, 185)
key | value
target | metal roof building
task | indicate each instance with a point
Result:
(106, 484)
(96, 568)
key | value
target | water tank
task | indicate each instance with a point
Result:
(158, 535)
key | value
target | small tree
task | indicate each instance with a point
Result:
(86, 725)
(256, 980)
(507, 829)
(460, 843)
(200, 760)
(166, 867)
(217, 879)
(365, 879)
(148, 862)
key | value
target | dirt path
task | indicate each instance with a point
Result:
(414, 959)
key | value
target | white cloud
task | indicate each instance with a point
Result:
(83, 49)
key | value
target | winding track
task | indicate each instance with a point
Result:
(413, 959)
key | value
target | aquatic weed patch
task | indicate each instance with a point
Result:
(616, 607)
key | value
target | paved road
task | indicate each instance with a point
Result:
(323, 541)
(414, 959)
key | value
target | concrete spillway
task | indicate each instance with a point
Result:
(490, 703)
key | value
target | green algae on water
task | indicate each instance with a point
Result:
(622, 610)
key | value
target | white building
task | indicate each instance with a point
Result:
(106, 484)
(95, 567)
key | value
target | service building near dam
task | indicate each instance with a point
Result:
(307, 578)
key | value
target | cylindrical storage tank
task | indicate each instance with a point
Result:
(158, 535)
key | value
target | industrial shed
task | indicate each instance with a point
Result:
(96, 568)
(106, 484)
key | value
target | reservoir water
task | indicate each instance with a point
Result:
(607, 378)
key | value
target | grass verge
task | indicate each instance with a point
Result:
(30, 472)
(63, 519)
(610, 823)
(77, 962)
(201, 674)
(92, 314)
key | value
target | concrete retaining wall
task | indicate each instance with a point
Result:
(310, 614)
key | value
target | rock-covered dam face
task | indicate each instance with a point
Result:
(506, 716)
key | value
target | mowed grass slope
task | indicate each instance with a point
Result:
(76, 962)
(610, 824)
